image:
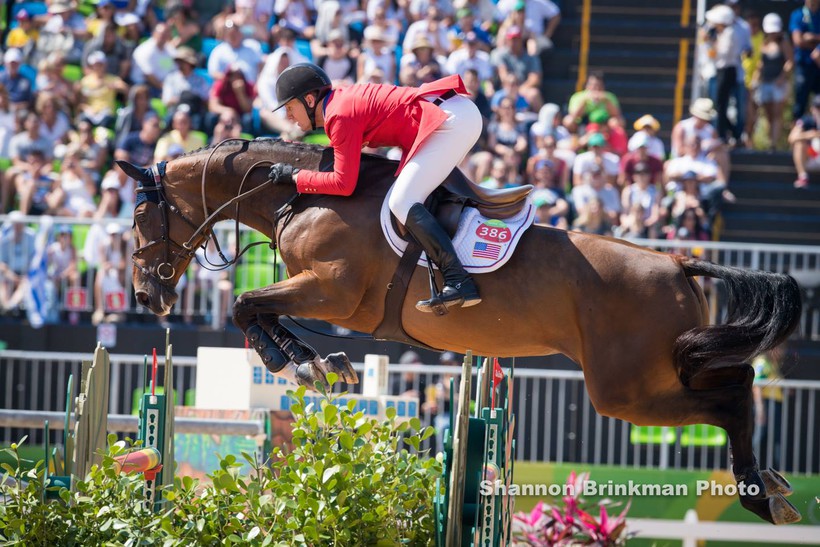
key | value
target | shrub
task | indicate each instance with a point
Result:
(347, 480)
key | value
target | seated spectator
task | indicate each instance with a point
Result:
(236, 51)
(691, 160)
(29, 139)
(130, 29)
(8, 123)
(640, 156)
(185, 87)
(640, 201)
(557, 167)
(550, 208)
(98, 92)
(330, 25)
(62, 261)
(773, 73)
(805, 142)
(277, 121)
(377, 54)
(16, 252)
(699, 125)
(64, 32)
(514, 59)
(594, 160)
(470, 57)
(54, 124)
(63, 16)
(688, 196)
(129, 118)
(227, 127)
(592, 218)
(24, 37)
(510, 87)
(506, 137)
(74, 193)
(466, 22)
(616, 138)
(593, 97)
(138, 147)
(103, 16)
(688, 227)
(501, 175)
(595, 186)
(296, 14)
(36, 185)
(116, 55)
(646, 129)
(93, 153)
(50, 79)
(233, 93)
(431, 26)
(110, 199)
(548, 124)
(153, 60)
(485, 11)
(18, 86)
(186, 32)
(110, 276)
(420, 66)
(472, 83)
(337, 62)
(540, 18)
(180, 134)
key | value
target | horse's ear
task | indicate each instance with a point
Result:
(139, 174)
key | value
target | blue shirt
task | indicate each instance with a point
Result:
(804, 21)
(19, 88)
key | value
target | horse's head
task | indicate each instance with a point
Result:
(161, 241)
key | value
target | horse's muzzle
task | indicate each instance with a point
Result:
(155, 297)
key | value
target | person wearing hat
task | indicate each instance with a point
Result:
(804, 140)
(185, 86)
(18, 86)
(641, 196)
(699, 127)
(470, 56)
(26, 32)
(539, 17)
(804, 27)
(98, 91)
(110, 278)
(376, 55)
(337, 62)
(639, 156)
(432, 26)
(104, 13)
(597, 203)
(772, 75)
(434, 126)
(596, 156)
(552, 208)
(421, 65)
(64, 17)
(727, 48)
(466, 22)
(647, 125)
(513, 58)
(691, 160)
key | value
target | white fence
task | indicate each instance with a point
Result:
(555, 420)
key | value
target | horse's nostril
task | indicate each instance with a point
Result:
(142, 298)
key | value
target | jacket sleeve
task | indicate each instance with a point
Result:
(346, 135)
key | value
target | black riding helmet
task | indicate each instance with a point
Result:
(298, 80)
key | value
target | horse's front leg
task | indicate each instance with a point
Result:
(283, 353)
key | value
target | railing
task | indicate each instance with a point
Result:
(203, 299)
(555, 420)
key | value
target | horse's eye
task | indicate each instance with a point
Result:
(141, 218)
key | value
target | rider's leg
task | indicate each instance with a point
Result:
(422, 174)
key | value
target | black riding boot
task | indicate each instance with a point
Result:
(459, 288)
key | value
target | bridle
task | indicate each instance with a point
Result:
(166, 271)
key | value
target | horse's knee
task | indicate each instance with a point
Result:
(241, 311)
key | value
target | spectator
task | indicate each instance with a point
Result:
(805, 142)
(153, 60)
(329, 21)
(110, 276)
(186, 32)
(377, 55)
(130, 29)
(749, 64)
(698, 126)
(505, 137)
(16, 252)
(64, 17)
(233, 93)
(431, 26)
(185, 87)
(62, 261)
(768, 398)
(772, 75)
(441, 405)
(558, 167)
(50, 79)
(18, 86)
(470, 57)
(548, 124)
(129, 118)
(688, 197)
(727, 47)
(54, 124)
(500, 175)
(804, 26)
(485, 11)
(116, 55)
(596, 159)
(688, 227)
(215, 286)
(64, 32)
(593, 97)
(103, 16)
(235, 51)
(551, 207)
(180, 134)
(616, 138)
(466, 22)
(510, 87)
(337, 62)
(24, 37)
(691, 160)
(595, 186)
(472, 83)
(420, 65)
(228, 127)
(35, 184)
(110, 203)
(296, 14)
(640, 156)
(8, 123)
(641, 201)
(514, 59)
(646, 128)
(93, 154)
(276, 62)
(410, 384)
(29, 139)
(138, 147)
(541, 19)
(743, 34)
(98, 92)
(74, 194)
(592, 218)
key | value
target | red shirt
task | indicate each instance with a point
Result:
(630, 160)
(375, 115)
(223, 91)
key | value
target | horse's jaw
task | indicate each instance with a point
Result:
(159, 299)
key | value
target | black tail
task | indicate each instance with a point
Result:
(763, 310)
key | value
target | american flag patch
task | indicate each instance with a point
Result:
(486, 250)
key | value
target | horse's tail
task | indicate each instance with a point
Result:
(763, 310)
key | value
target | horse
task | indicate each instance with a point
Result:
(635, 320)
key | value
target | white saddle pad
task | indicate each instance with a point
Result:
(482, 244)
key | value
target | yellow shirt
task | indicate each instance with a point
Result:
(194, 141)
(100, 93)
(750, 62)
(19, 38)
(767, 374)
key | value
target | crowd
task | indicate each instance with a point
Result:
(84, 84)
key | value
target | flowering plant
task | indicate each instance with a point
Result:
(570, 520)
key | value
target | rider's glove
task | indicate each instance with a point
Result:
(282, 173)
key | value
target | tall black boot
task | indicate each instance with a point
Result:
(459, 288)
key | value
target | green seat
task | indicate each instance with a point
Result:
(246, 136)
(159, 107)
(257, 254)
(702, 435)
(651, 434)
(319, 137)
(73, 73)
(5, 163)
(190, 397)
(252, 276)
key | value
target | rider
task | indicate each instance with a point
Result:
(434, 125)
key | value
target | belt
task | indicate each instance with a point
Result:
(445, 96)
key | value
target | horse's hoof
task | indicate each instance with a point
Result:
(775, 509)
(339, 364)
(775, 483)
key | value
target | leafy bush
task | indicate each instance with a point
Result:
(347, 480)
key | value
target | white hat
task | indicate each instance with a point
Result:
(110, 183)
(113, 228)
(640, 139)
(703, 108)
(375, 33)
(721, 15)
(60, 6)
(772, 23)
(96, 57)
(125, 19)
(13, 55)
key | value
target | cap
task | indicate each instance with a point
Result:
(13, 55)
(519, 5)
(772, 23)
(23, 15)
(720, 15)
(186, 55)
(335, 34)
(543, 196)
(597, 139)
(409, 357)
(599, 115)
(64, 229)
(640, 139)
(113, 228)
(647, 120)
(103, 3)
(175, 150)
(544, 163)
(95, 57)
(689, 175)
(421, 42)
(373, 32)
(110, 183)
(60, 6)
(514, 32)
(448, 357)
(125, 19)
(464, 12)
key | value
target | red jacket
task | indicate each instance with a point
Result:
(375, 115)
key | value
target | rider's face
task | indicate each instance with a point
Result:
(296, 113)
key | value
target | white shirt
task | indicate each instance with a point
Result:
(419, 28)
(610, 201)
(224, 55)
(56, 133)
(152, 60)
(296, 13)
(727, 49)
(536, 12)
(459, 61)
(655, 146)
(679, 166)
(584, 162)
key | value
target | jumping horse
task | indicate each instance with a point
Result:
(635, 320)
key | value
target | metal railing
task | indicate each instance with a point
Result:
(555, 420)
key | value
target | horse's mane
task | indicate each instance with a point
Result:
(275, 144)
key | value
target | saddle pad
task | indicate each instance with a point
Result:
(482, 244)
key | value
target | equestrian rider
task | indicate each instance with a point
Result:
(434, 125)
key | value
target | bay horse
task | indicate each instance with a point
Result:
(634, 319)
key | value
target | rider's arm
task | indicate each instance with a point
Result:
(347, 152)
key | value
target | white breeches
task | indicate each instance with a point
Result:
(440, 153)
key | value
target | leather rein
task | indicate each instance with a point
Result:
(166, 271)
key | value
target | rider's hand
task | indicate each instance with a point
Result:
(282, 173)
